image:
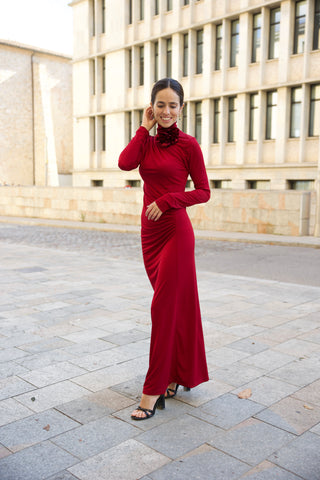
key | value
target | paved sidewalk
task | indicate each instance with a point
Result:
(74, 340)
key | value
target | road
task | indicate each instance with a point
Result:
(298, 265)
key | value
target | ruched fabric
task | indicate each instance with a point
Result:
(177, 352)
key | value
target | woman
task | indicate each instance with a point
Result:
(177, 354)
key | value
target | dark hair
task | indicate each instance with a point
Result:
(167, 83)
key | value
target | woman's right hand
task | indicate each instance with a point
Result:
(148, 120)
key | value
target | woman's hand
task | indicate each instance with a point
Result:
(148, 120)
(153, 212)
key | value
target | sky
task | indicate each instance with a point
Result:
(46, 24)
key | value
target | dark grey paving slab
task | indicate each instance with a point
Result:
(316, 429)
(249, 345)
(179, 436)
(94, 406)
(35, 429)
(301, 457)
(94, 437)
(209, 465)
(252, 441)
(62, 476)
(36, 463)
(229, 410)
(174, 410)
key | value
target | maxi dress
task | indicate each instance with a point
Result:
(177, 352)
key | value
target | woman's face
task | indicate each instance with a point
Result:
(166, 108)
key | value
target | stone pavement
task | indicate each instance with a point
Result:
(74, 340)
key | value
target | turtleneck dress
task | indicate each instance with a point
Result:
(177, 352)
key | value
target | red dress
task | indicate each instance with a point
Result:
(177, 352)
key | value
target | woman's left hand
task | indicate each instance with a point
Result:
(153, 212)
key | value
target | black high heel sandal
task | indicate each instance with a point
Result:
(174, 392)
(160, 404)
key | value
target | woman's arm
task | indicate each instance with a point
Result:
(200, 194)
(130, 157)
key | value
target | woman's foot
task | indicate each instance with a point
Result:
(147, 407)
(172, 390)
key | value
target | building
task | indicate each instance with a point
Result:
(251, 75)
(36, 127)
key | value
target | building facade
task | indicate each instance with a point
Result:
(36, 127)
(251, 74)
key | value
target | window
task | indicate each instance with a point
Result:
(93, 76)
(129, 126)
(169, 57)
(216, 120)
(93, 24)
(93, 134)
(103, 133)
(234, 51)
(103, 13)
(130, 68)
(130, 12)
(141, 9)
(186, 2)
(156, 7)
(256, 38)
(103, 74)
(218, 58)
(96, 183)
(232, 117)
(295, 117)
(300, 184)
(299, 26)
(169, 5)
(198, 123)
(316, 26)
(220, 183)
(314, 120)
(133, 183)
(271, 121)
(274, 33)
(185, 118)
(199, 51)
(156, 61)
(258, 184)
(185, 54)
(140, 116)
(254, 116)
(141, 65)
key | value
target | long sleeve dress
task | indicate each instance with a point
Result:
(177, 352)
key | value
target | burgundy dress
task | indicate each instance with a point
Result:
(177, 352)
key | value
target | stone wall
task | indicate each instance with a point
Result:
(252, 211)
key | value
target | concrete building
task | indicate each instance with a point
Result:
(251, 75)
(36, 127)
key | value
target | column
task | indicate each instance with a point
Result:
(286, 39)
(283, 118)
